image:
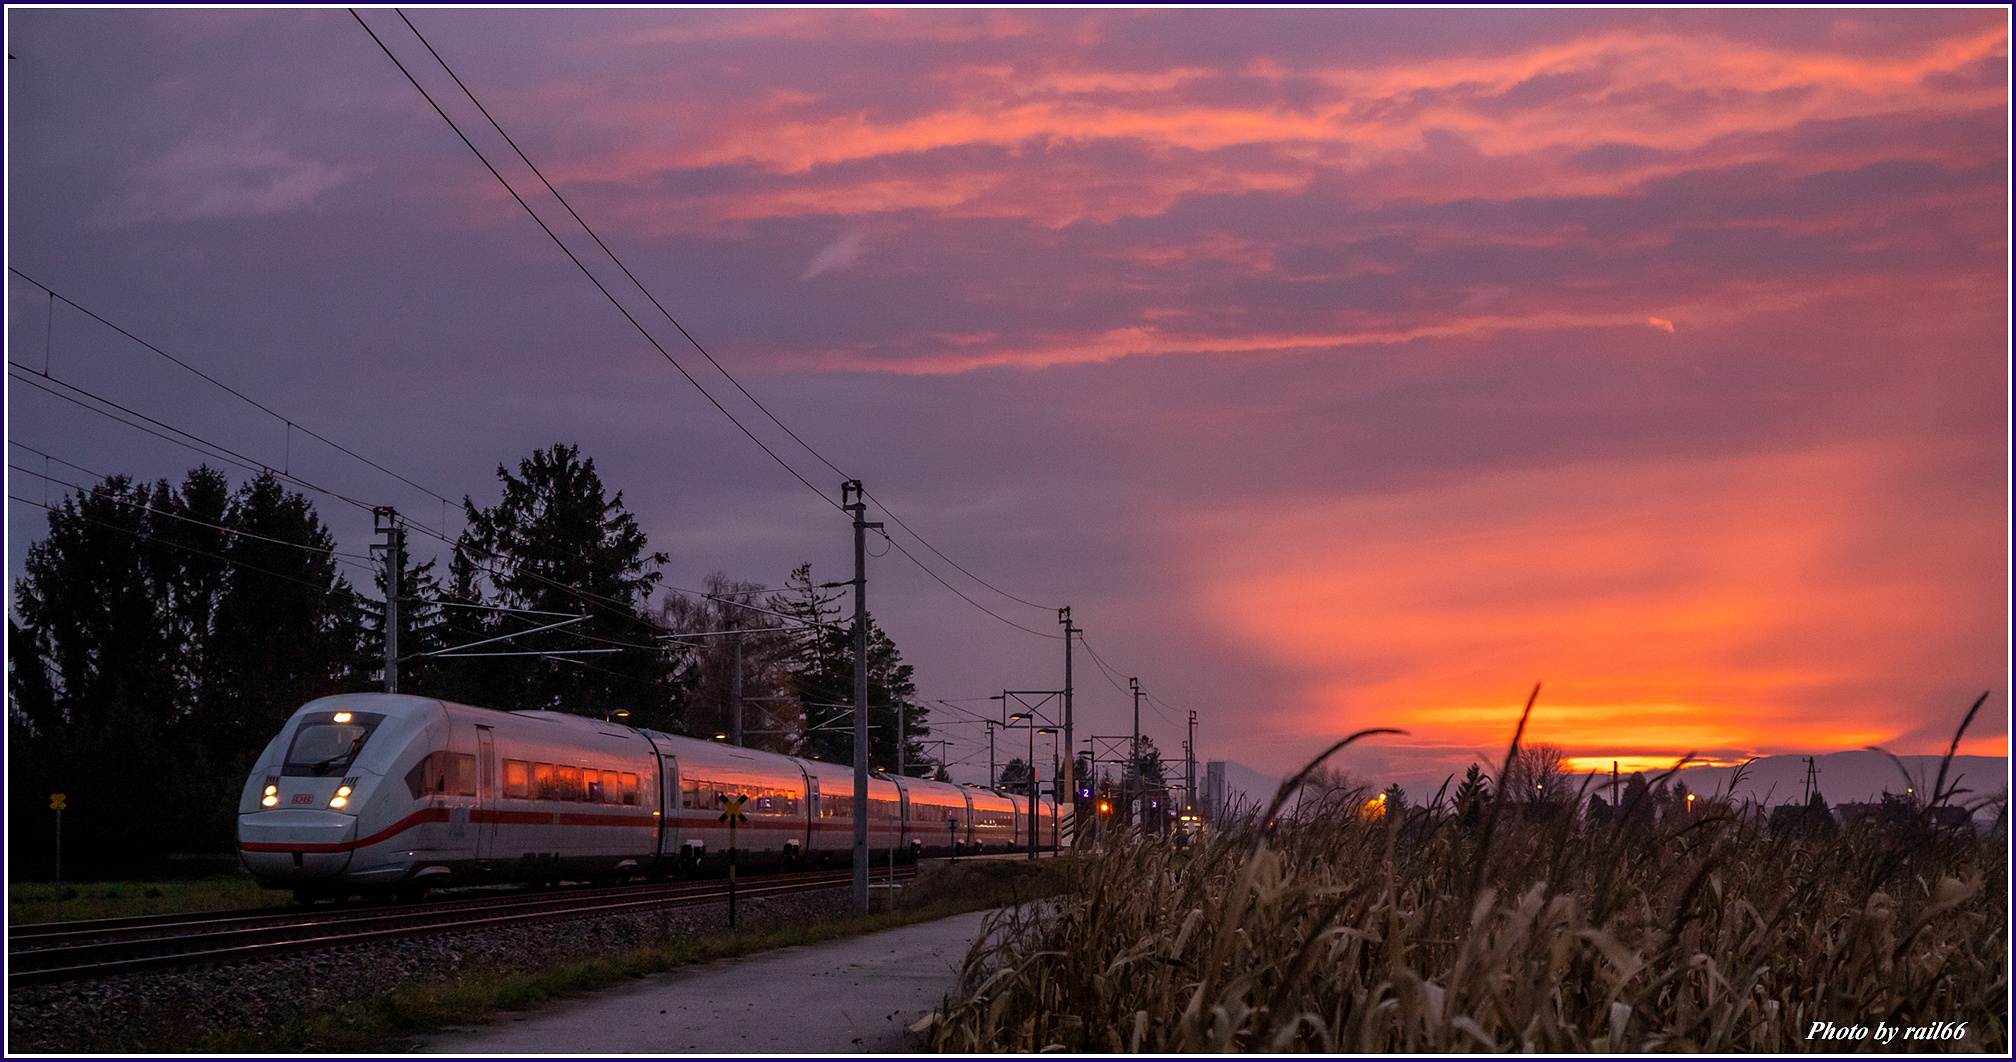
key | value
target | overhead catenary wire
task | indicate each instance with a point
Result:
(196, 442)
(357, 560)
(352, 559)
(292, 424)
(337, 590)
(667, 314)
(585, 271)
(659, 306)
(249, 463)
(329, 551)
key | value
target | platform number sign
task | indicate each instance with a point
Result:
(731, 813)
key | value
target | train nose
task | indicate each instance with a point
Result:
(291, 846)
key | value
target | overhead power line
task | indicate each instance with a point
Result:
(227, 388)
(195, 442)
(582, 266)
(660, 307)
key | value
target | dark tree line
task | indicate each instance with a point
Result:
(162, 634)
(797, 667)
(160, 637)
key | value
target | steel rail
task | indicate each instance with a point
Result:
(57, 934)
(87, 960)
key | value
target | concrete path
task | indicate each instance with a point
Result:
(841, 997)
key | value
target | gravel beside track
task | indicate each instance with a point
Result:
(268, 995)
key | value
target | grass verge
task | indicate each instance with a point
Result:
(30, 903)
(390, 1023)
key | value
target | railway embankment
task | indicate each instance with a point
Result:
(380, 996)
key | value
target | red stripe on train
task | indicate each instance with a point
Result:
(407, 823)
(480, 815)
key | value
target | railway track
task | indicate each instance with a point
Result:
(66, 951)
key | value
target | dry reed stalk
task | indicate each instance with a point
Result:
(1349, 934)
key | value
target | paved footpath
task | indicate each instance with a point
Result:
(840, 997)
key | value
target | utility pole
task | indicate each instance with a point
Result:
(385, 521)
(735, 674)
(902, 762)
(990, 753)
(1134, 754)
(1190, 767)
(858, 505)
(1070, 762)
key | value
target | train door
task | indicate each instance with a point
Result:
(817, 845)
(486, 794)
(671, 833)
(906, 829)
(965, 843)
(805, 839)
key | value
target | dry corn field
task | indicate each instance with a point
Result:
(1419, 932)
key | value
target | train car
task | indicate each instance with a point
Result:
(940, 818)
(778, 802)
(833, 829)
(996, 821)
(382, 794)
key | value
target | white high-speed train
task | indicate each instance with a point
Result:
(381, 794)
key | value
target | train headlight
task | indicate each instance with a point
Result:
(272, 796)
(341, 798)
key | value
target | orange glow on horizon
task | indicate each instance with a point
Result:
(1627, 765)
(1706, 606)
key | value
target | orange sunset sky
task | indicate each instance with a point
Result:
(1339, 368)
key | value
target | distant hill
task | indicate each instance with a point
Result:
(1846, 778)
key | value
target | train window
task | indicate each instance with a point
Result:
(701, 794)
(442, 772)
(836, 807)
(569, 784)
(545, 784)
(592, 778)
(323, 746)
(517, 779)
(629, 789)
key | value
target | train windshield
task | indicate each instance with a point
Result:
(328, 742)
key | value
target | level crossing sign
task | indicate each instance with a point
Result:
(733, 804)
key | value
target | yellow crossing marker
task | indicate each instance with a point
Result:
(732, 815)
